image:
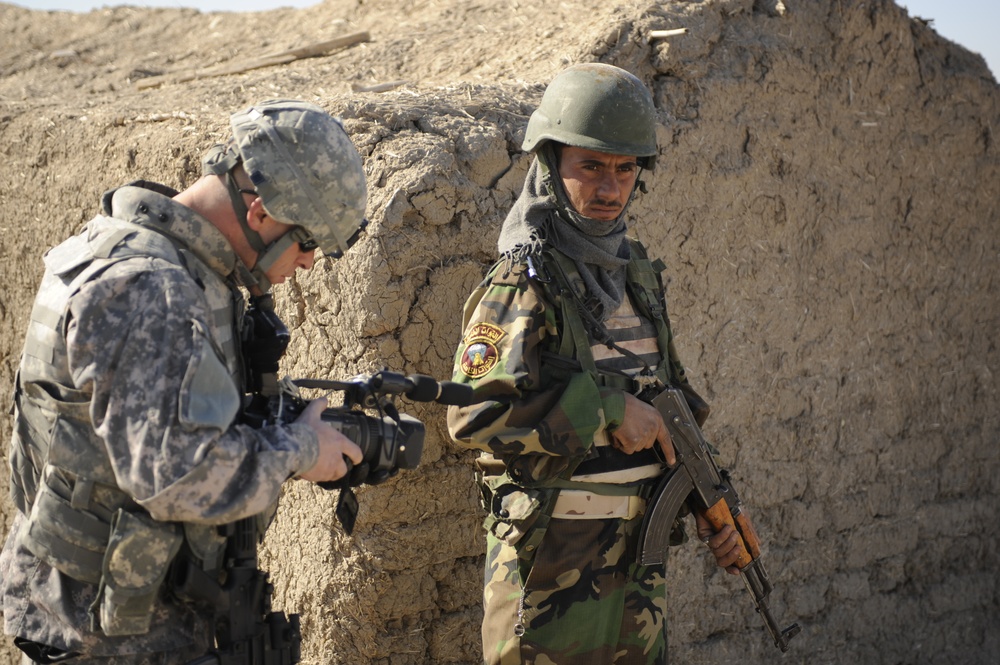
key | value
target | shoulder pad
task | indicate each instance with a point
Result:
(68, 255)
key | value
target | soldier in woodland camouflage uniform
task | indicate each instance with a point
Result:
(127, 449)
(569, 326)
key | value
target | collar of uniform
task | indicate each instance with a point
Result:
(154, 210)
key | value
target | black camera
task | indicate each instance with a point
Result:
(389, 442)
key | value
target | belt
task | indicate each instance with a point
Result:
(584, 505)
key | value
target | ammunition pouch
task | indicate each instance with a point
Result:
(205, 546)
(125, 554)
(518, 516)
(70, 539)
(137, 559)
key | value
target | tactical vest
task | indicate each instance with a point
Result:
(519, 512)
(78, 521)
(644, 285)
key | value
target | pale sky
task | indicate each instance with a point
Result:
(972, 23)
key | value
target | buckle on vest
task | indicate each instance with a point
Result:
(643, 382)
(534, 274)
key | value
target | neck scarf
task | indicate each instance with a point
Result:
(542, 216)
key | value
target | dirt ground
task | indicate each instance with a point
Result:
(826, 199)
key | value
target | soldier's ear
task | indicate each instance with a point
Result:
(257, 216)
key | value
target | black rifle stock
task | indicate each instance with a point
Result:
(697, 479)
(247, 632)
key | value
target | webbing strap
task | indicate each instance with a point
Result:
(576, 344)
(641, 281)
(604, 489)
(82, 489)
(643, 277)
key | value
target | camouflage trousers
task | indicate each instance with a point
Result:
(581, 601)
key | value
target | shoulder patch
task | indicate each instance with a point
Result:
(208, 396)
(480, 354)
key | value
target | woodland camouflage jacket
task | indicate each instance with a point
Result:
(534, 401)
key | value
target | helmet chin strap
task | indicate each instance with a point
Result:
(257, 285)
(222, 160)
(242, 212)
(271, 254)
(267, 255)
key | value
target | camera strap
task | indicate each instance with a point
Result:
(347, 509)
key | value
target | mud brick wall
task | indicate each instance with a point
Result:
(825, 199)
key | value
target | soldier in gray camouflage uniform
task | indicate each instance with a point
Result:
(128, 449)
(569, 326)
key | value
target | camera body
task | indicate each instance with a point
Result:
(389, 442)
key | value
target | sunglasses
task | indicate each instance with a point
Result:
(307, 243)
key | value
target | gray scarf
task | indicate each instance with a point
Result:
(542, 216)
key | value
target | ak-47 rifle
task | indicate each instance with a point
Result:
(697, 479)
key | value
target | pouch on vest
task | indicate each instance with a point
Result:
(70, 540)
(514, 511)
(208, 396)
(207, 546)
(519, 516)
(139, 554)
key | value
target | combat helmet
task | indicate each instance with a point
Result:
(304, 168)
(598, 107)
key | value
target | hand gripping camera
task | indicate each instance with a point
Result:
(389, 442)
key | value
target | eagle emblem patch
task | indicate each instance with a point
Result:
(480, 354)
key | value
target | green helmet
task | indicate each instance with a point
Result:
(302, 165)
(598, 107)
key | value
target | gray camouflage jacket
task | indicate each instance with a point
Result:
(126, 402)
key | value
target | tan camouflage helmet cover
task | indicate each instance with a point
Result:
(305, 169)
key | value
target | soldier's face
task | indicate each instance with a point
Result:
(598, 184)
(290, 260)
(293, 258)
(297, 255)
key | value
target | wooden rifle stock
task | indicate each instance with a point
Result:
(697, 480)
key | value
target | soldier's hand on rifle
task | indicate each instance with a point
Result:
(725, 544)
(641, 428)
(333, 446)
